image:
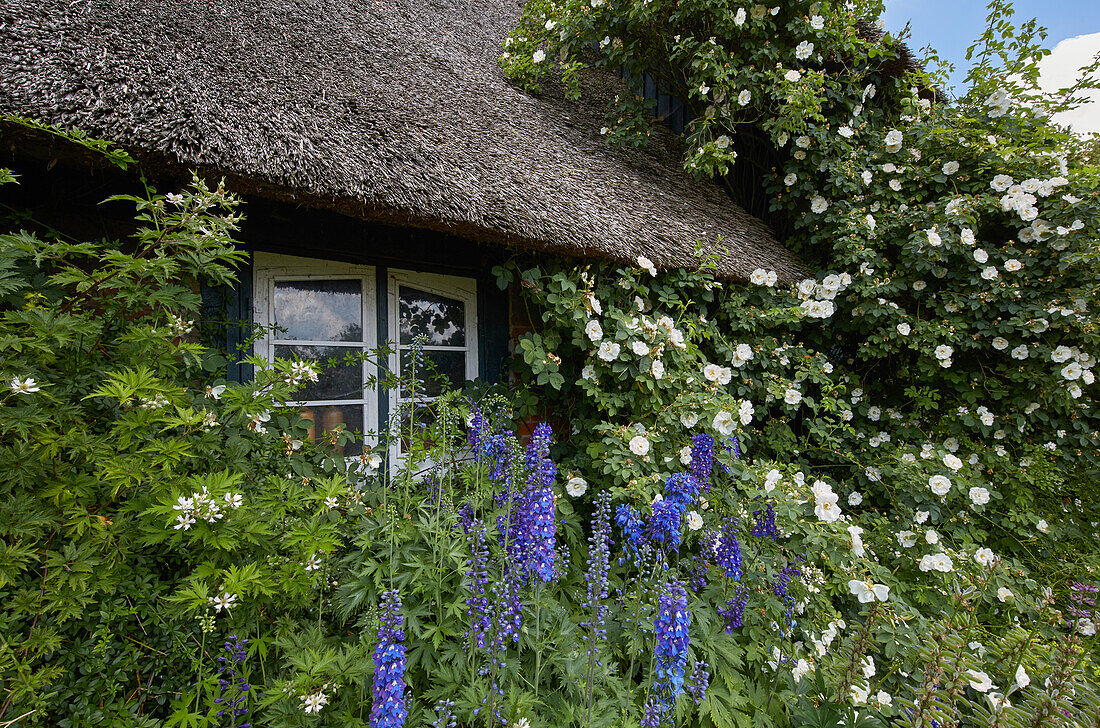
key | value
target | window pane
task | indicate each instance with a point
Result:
(441, 319)
(328, 419)
(319, 310)
(416, 436)
(341, 371)
(438, 371)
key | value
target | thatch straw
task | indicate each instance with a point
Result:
(391, 110)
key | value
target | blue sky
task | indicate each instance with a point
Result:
(950, 26)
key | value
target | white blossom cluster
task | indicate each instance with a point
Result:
(203, 506)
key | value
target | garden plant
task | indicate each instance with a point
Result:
(864, 498)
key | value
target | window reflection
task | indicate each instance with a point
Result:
(441, 319)
(317, 310)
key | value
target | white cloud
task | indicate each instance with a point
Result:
(1059, 69)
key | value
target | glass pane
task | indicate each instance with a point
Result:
(341, 371)
(416, 436)
(319, 310)
(328, 419)
(438, 371)
(442, 320)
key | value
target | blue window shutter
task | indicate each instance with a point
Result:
(492, 330)
(227, 322)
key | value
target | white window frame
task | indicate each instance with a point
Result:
(456, 287)
(269, 268)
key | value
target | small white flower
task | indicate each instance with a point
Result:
(990, 272)
(576, 486)
(214, 391)
(647, 264)
(804, 50)
(950, 167)
(744, 97)
(657, 369)
(980, 255)
(1020, 352)
(1086, 626)
(313, 563)
(1043, 526)
(1000, 343)
(608, 351)
(639, 445)
(980, 681)
(855, 498)
(640, 348)
(792, 396)
(818, 204)
(688, 419)
(789, 180)
(943, 351)
(24, 386)
(1072, 371)
(538, 56)
(1004, 594)
(907, 539)
(826, 508)
(1022, 678)
(588, 372)
(952, 461)
(1012, 265)
(934, 238)
(793, 76)
(694, 521)
(225, 600)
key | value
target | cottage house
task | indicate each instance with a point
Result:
(386, 163)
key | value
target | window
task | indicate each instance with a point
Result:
(329, 312)
(441, 312)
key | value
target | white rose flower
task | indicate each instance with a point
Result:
(804, 50)
(826, 508)
(894, 140)
(593, 330)
(980, 255)
(792, 396)
(931, 537)
(985, 557)
(724, 423)
(818, 204)
(1071, 371)
(694, 521)
(1000, 343)
(639, 445)
(979, 496)
(744, 97)
(855, 498)
(1020, 352)
(588, 372)
(980, 681)
(1012, 265)
(640, 348)
(1001, 182)
(950, 167)
(866, 591)
(990, 272)
(952, 461)
(576, 486)
(943, 351)
(712, 372)
(907, 539)
(1004, 594)
(538, 56)
(1043, 526)
(939, 484)
(647, 264)
(689, 419)
(793, 76)
(608, 351)
(790, 179)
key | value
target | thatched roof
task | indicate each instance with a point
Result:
(391, 110)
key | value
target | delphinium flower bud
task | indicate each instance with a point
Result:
(477, 575)
(699, 682)
(630, 523)
(702, 458)
(670, 627)
(389, 709)
(596, 577)
(538, 522)
(234, 688)
(727, 553)
(734, 611)
(444, 715)
(765, 524)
